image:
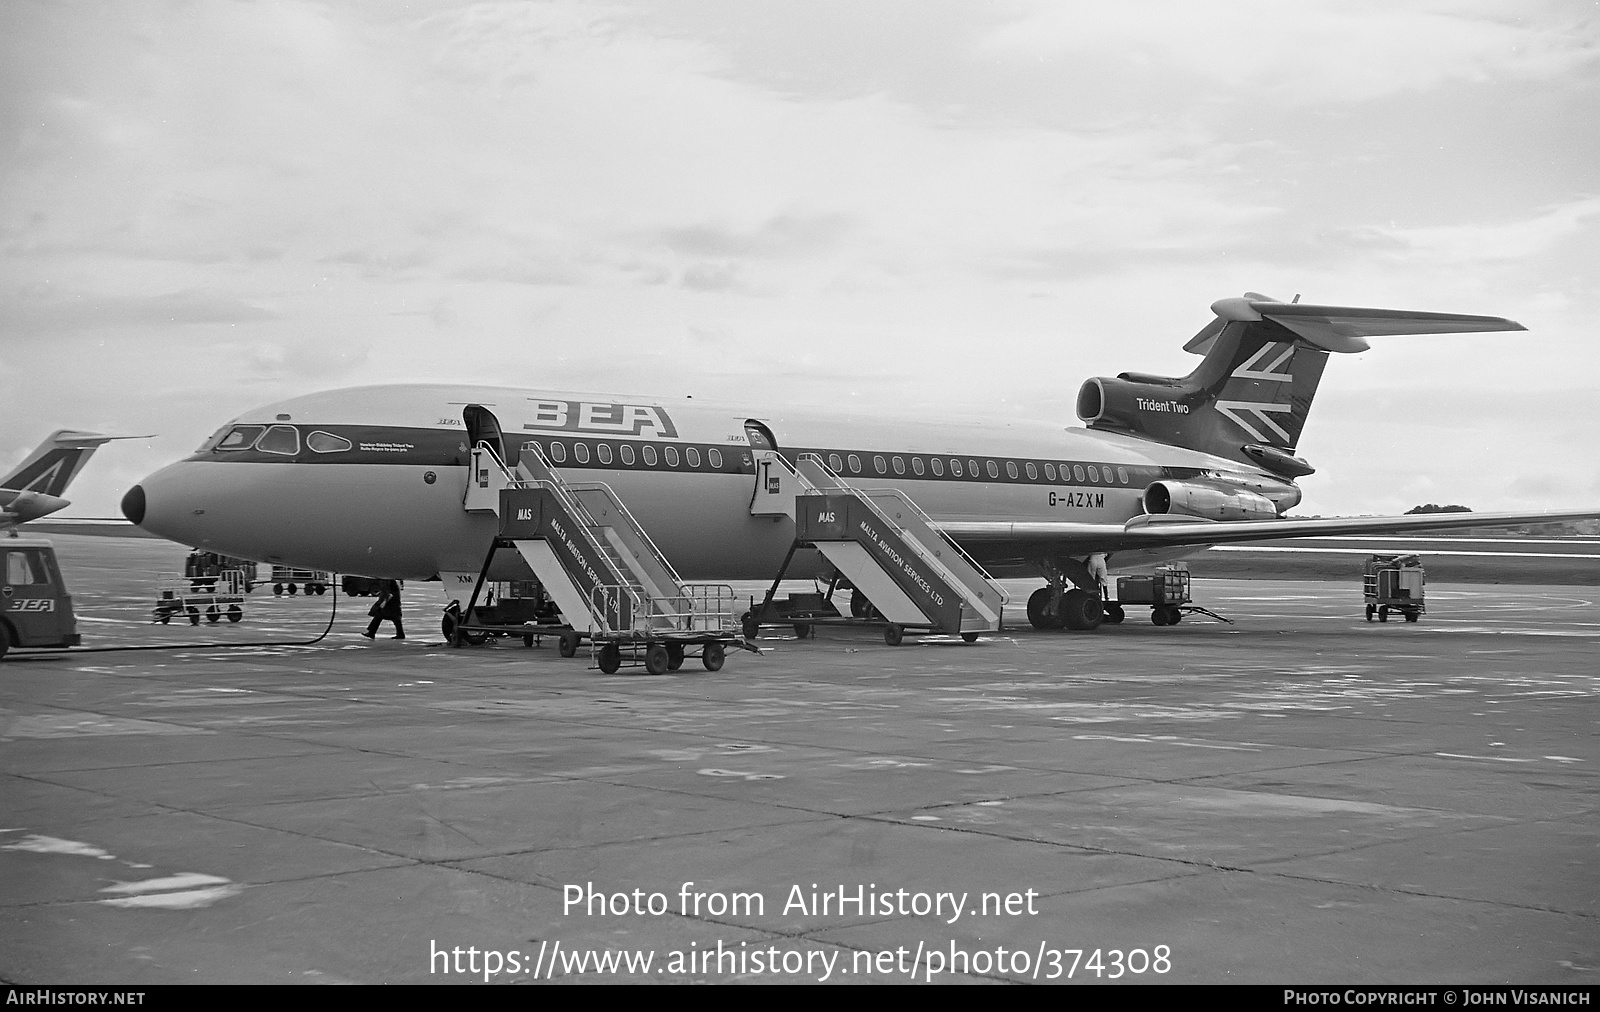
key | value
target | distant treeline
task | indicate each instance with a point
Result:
(1557, 529)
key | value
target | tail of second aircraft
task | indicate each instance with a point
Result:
(1249, 397)
(51, 468)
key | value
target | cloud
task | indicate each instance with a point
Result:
(60, 312)
(1507, 241)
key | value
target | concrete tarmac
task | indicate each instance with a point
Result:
(1300, 797)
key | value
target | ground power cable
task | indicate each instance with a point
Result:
(49, 653)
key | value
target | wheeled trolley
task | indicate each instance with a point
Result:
(634, 629)
(519, 608)
(1393, 583)
(220, 596)
(315, 581)
(1166, 591)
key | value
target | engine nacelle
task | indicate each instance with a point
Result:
(1212, 502)
(1152, 405)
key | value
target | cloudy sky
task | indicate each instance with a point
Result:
(936, 207)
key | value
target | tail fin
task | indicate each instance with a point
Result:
(51, 467)
(1249, 397)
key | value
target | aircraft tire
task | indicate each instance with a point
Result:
(893, 634)
(712, 656)
(1081, 611)
(1039, 615)
(674, 656)
(656, 660)
(610, 658)
(567, 646)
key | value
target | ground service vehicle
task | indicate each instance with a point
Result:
(35, 608)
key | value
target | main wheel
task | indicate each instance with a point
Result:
(656, 660)
(1081, 610)
(674, 656)
(1115, 614)
(610, 658)
(235, 613)
(893, 634)
(712, 656)
(568, 644)
(1039, 613)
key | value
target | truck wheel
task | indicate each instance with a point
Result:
(5, 642)
(712, 656)
(893, 634)
(235, 613)
(674, 656)
(656, 660)
(610, 658)
(568, 645)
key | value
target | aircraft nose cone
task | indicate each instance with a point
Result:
(133, 505)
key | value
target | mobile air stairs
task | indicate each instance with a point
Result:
(878, 539)
(607, 577)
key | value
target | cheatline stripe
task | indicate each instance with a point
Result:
(1420, 551)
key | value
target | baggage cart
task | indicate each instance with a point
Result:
(222, 595)
(1393, 583)
(288, 578)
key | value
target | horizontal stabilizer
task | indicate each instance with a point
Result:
(1341, 328)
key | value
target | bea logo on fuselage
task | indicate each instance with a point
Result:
(610, 419)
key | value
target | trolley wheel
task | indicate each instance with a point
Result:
(1383, 613)
(1081, 611)
(165, 619)
(1412, 616)
(1115, 614)
(249, 586)
(674, 656)
(213, 613)
(1039, 615)
(749, 625)
(277, 588)
(448, 624)
(712, 656)
(194, 615)
(1174, 614)
(610, 658)
(1158, 615)
(656, 660)
(1370, 612)
(292, 588)
(568, 645)
(235, 613)
(969, 637)
(527, 640)
(893, 633)
(803, 630)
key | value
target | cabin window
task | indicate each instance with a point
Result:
(692, 456)
(994, 469)
(671, 454)
(714, 457)
(834, 463)
(1122, 475)
(937, 465)
(23, 568)
(327, 442)
(580, 452)
(916, 466)
(899, 465)
(955, 468)
(855, 463)
(241, 438)
(1094, 474)
(1033, 472)
(1011, 470)
(648, 452)
(1077, 473)
(282, 439)
(626, 452)
(603, 451)
(558, 451)
(972, 467)
(880, 465)
(1049, 472)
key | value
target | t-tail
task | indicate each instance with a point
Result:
(34, 487)
(1249, 397)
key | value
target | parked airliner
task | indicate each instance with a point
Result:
(34, 487)
(371, 480)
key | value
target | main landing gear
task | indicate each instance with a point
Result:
(1075, 609)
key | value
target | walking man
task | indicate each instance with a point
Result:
(387, 607)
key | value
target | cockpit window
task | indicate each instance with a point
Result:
(284, 439)
(327, 442)
(241, 438)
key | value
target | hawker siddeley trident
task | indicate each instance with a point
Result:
(375, 480)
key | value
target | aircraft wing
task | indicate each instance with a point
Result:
(999, 539)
